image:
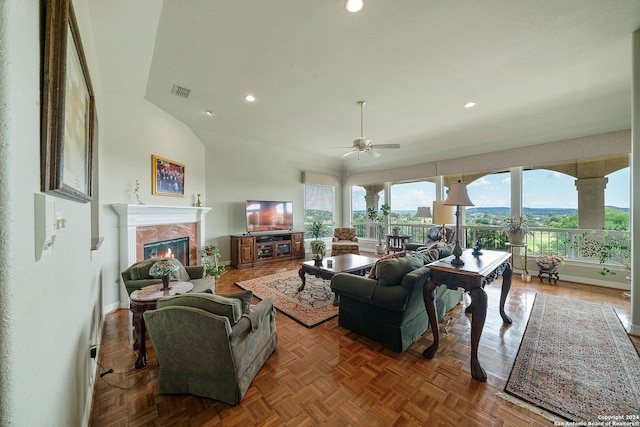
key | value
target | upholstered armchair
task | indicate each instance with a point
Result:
(434, 235)
(344, 241)
(137, 276)
(211, 345)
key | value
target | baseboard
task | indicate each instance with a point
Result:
(88, 405)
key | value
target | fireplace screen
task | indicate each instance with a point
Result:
(172, 248)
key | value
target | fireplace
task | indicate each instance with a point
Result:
(140, 224)
(169, 248)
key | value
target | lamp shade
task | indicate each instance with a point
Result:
(424, 212)
(443, 214)
(458, 195)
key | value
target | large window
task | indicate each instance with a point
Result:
(617, 199)
(318, 203)
(491, 197)
(549, 199)
(407, 197)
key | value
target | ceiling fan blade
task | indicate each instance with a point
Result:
(347, 153)
(385, 146)
(373, 153)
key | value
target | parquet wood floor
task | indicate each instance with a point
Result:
(329, 376)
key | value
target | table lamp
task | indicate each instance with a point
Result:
(443, 215)
(423, 212)
(458, 197)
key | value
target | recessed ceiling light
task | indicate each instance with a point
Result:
(249, 98)
(469, 105)
(209, 113)
(354, 5)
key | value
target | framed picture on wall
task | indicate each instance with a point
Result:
(68, 108)
(167, 177)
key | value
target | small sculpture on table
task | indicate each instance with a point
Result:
(477, 249)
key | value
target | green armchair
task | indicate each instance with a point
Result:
(211, 345)
(388, 307)
(137, 276)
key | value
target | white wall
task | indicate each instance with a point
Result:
(238, 170)
(48, 306)
(132, 130)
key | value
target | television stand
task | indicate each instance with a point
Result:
(251, 250)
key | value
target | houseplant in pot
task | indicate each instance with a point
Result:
(516, 230)
(212, 253)
(318, 247)
(381, 218)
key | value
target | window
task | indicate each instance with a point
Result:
(318, 203)
(617, 201)
(491, 197)
(549, 199)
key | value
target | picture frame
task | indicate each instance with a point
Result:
(167, 177)
(68, 108)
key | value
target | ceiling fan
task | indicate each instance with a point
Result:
(364, 145)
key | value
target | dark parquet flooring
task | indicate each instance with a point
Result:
(329, 376)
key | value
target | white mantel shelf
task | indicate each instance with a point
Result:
(142, 215)
(133, 216)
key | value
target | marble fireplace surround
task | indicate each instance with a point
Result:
(139, 224)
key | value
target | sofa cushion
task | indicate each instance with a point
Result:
(231, 306)
(391, 271)
(372, 273)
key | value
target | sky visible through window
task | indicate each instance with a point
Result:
(541, 189)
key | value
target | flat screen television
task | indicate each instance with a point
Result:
(268, 215)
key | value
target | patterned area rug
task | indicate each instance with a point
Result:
(310, 307)
(577, 361)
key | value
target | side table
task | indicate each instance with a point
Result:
(396, 242)
(145, 299)
(476, 272)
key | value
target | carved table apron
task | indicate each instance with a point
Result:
(476, 272)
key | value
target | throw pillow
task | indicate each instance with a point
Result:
(372, 273)
(391, 271)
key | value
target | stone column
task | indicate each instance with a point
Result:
(372, 198)
(591, 202)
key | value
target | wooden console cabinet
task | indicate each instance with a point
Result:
(252, 250)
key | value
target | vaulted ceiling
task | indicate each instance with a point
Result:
(538, 71)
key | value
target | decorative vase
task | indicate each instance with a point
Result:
(380, 249)
(165, 283)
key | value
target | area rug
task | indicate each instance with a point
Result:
(310, 307)
(577, 361)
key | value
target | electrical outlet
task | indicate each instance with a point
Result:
(93, 351)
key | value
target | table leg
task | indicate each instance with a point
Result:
(304, 280)
(429, 296)
(140, 329)
(506, 286)
(479, 303)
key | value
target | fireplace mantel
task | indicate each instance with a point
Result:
(133, 216)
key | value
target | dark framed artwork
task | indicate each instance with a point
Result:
(68, 108)
(167, 177)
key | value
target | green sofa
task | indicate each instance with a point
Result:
(388, 307)
(137, 276)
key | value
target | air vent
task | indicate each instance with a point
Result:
(180, 91)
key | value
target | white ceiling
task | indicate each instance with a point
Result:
(539, 71)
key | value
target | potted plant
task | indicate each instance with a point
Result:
(318, 247)
(516, 230)
(549, 261)
(164, 268)
(395, 230)
(212, 268)
(381, 218)
(605, 248)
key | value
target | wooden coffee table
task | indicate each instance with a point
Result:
(145, 299)
(347, 263)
